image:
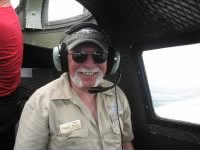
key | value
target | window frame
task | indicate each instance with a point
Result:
(151, 117)
(147, 122)
(87, 16)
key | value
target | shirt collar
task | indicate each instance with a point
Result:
(64, 90)
(107, 83)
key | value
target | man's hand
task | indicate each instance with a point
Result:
(128, 146)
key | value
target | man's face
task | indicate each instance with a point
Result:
(87, 73)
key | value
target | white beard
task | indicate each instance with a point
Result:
(77, 80)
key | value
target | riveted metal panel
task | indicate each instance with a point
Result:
(33, 13)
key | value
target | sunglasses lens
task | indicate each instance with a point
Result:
(79, 57)
(99, 57)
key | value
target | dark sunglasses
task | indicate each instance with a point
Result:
(81, 56)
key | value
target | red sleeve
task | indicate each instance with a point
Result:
(11, 50)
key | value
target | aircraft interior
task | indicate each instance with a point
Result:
(136, 28)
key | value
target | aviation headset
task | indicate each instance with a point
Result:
(60, 51)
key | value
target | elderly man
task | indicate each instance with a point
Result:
(64, 115)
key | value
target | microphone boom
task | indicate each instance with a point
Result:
(94, 90)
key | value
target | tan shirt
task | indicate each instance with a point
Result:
(55, 118)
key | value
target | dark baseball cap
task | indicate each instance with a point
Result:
(87, 35)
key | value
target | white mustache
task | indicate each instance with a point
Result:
(77, 81)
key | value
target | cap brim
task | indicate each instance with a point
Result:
(81, 41)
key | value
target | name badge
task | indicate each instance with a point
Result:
(70, 126)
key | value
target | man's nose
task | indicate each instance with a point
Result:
(89, 61)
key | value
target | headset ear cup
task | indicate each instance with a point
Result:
(63, 56)
(113, 61)
(56, 58)
(116, 62)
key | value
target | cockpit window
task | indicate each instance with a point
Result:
(173, 77)
(61, 13)
(15, 3)
(64, 9)
(54, 14)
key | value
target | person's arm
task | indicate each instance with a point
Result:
(128, 146)
(33, 131)
(127, 132)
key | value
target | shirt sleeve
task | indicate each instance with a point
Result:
(127, 131)
(33, 131)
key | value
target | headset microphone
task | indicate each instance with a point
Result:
(94, 90)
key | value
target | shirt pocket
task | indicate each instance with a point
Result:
(76, 139)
